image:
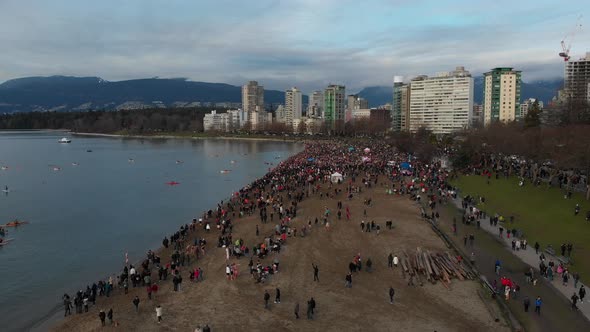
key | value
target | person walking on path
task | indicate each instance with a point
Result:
(527, 303)
(266, 298)
(575, 299)
(309, 310)
(390, 260)
(136, 303)
(102, 316)
(278, 296)
(497, 266)
(538, 304)
(537, 246)
(159, 313)
(296, 310)
(391, 294)
(576, 277)
(395, 261)
(257, 231)
(67, 306)
(582, 293)
(316, 272)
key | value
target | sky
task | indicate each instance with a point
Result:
(285, 43)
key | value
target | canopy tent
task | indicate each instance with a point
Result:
(350, 148)
(367, 150)
(336, 177)
(405, 165)
(366, 159)
(310, 159)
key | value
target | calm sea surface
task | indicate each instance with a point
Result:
(87, 209)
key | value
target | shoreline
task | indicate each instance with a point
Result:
(244, 138)
(54, 316)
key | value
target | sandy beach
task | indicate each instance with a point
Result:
(238, 304)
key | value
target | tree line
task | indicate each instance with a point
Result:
(135, 122)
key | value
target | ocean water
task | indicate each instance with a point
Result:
(87, 209)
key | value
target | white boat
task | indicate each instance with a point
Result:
(65, 140)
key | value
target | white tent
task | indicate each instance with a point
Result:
(336, 177)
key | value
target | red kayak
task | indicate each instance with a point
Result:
(172, 183)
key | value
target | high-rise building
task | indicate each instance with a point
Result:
(577, 79)
(442, 104)
(316, 105)
(396, 112)
(501, 93)
(334, 104)
(252, 98)
(354, 102)
(293, 105)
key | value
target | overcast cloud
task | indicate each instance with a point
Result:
(280, 43)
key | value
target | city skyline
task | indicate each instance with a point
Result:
(305, 43)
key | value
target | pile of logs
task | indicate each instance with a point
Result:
(434, 267)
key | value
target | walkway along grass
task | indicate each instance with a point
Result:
(542, 213)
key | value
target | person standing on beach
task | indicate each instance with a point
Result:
(136, 303)
(278, 296)
(102, 316)
(297, 310)
(391, 294)
(527, 303)
(159, 313)
(266, 298)
(316, 272)
(390, 260)
(68, 305)
(110, 316)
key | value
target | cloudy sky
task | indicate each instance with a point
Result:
(283, 43)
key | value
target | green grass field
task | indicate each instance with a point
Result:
(541, 213)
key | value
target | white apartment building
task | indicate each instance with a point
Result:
(222, 121)
(361, 113)
(214, 121)
(442, 104)
(259, 119)
(293, 105)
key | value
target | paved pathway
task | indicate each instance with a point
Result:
(532, 259)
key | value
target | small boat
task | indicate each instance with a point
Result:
(4, 168)
(88, 150)
(56, 169)
(172, 183)
(65, 140)
(179, 162)
(75, 164)
(232, 162)
(225, 171)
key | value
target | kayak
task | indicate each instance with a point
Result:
(172, 183)
(15, 223)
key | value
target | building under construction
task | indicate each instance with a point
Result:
(577, 80)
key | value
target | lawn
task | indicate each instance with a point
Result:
(542, 213)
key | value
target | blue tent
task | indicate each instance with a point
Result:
(350, 149)
(405, 165)
(310, 159)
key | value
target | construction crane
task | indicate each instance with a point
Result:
(565, 53)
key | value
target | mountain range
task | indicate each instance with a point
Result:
(66, 93)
